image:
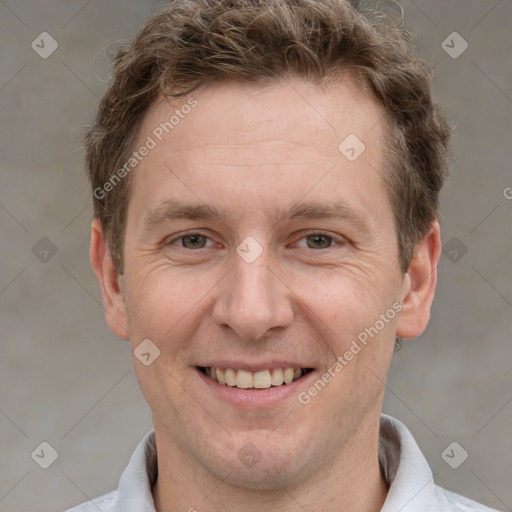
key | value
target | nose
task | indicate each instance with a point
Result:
(252, 300)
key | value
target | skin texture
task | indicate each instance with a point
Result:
(254, 151)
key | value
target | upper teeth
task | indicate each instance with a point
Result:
(260, 380)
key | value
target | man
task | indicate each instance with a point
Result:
(266, 177)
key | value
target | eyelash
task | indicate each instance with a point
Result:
(320, 233)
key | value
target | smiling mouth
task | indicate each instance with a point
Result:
(265, 379)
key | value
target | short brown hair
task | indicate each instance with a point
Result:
(193, 42)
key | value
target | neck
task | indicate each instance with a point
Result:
(352, 481)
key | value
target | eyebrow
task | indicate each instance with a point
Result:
(337, 210)
(172, 209)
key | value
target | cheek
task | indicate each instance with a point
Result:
(164, 389)
(160, 297)
(355, 315)
(347, 298)
(168, 306)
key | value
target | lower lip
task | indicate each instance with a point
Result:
(255, 398)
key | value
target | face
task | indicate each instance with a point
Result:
(258, 249)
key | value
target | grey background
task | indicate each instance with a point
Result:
(65, 379)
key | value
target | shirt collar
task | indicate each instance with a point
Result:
(406, 471)
(139, 477)
(403, 466)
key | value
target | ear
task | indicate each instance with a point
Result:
(420, 285)
(110, 279)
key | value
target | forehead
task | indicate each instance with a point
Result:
(241, 136)
(234, 112)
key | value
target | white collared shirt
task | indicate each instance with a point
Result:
(412, 487)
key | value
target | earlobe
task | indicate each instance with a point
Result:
(419, 285)
(109, 278)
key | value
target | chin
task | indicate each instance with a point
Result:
(270, 467)
(267, 476)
